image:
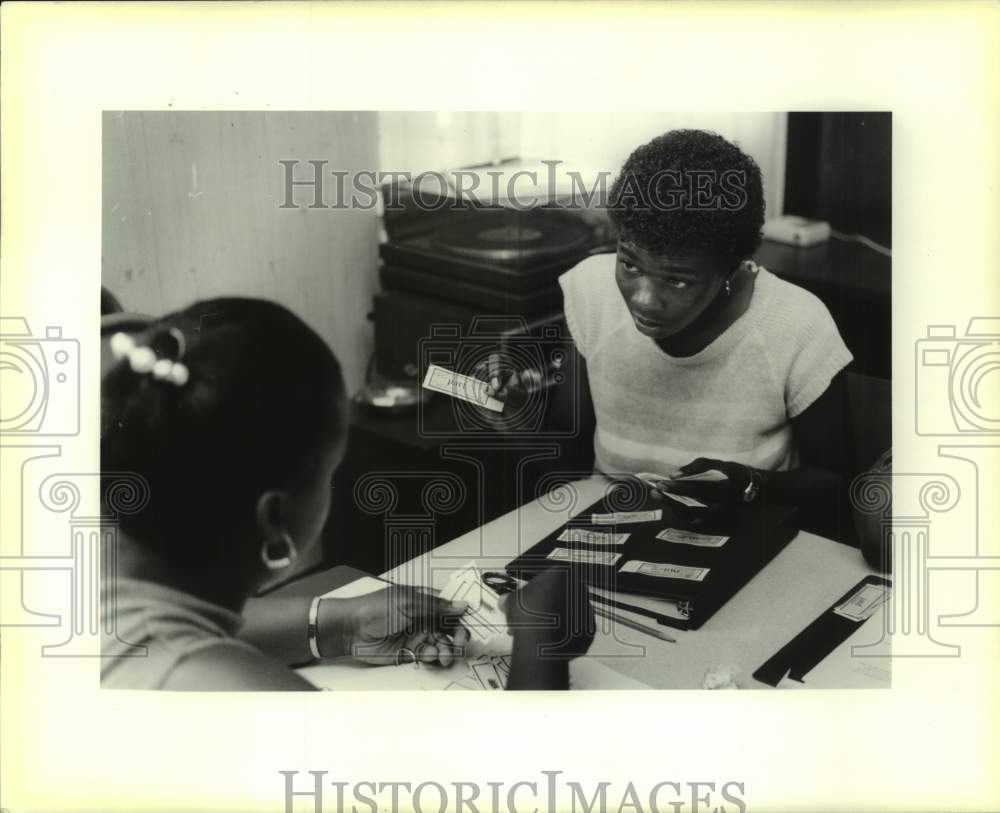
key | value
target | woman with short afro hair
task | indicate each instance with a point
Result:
(696, 358)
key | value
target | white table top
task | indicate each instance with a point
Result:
(792, 590)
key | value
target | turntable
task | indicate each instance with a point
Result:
(502, 249)
(514, 237)
(456, 260)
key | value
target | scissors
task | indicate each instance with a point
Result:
(499, 582)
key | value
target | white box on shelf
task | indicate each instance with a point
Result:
(796, 231)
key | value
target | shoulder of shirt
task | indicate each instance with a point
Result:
(793, 309)
(593, 306)
(589, 286)
(588, 270)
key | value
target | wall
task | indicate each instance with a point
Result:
(419, 140)
(602, 141)
(190, 210)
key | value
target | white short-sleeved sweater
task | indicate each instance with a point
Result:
(731, 401)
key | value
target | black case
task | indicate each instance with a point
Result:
(757, 532)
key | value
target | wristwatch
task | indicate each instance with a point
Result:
(750, 492)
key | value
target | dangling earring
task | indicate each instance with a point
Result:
(291, 553)
(728, 288)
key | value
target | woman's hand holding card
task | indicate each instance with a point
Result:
(716, 483)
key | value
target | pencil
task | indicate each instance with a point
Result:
(628, 622)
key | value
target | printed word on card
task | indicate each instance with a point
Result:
(663, 570)
(463, 387)
(624, 517)
(864, 602)
(588, 537)
(585, 557)
(690, 538)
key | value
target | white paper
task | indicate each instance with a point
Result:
(588, 537)
(584, 674)
(625, 517)
(683, 499)
(691, 538)
(660, 484)
(709, 476)
(863, 602)
(485, 620)
(664, 570)
(585, 557)
(463, 387)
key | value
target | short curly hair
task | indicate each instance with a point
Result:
(689, 190)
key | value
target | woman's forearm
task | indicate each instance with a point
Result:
(530, 669)
(819, 493)
(279, 627)
(801, 486)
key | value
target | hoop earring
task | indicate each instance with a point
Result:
(181, 343)
(280, 562)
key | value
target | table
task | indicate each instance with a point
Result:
(799, 584)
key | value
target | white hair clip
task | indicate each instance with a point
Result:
(143, 360)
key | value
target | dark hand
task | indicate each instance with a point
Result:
(718, 494)
(506, 381)
(403, 624)
(553, 614)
